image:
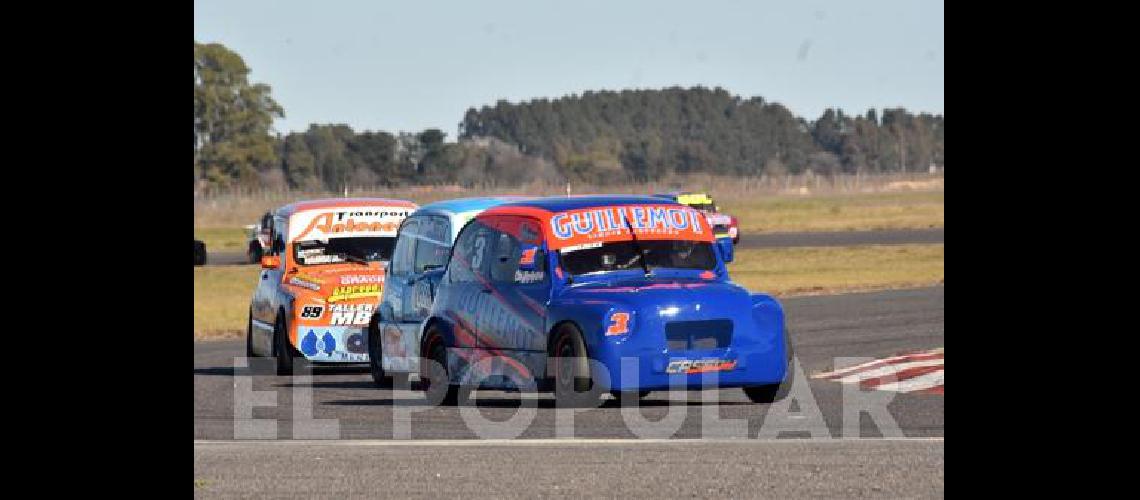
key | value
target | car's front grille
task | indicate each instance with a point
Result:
(698, 335)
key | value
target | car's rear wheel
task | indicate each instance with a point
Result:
(435, 380)
(249, 336)
(573, 384)
(775, 392)
(254, 253)
(283, 351)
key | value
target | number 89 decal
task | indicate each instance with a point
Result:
(312, 312)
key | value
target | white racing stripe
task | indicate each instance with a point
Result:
(860, 366)
(551, 442)
(887, 370)
(919, 383)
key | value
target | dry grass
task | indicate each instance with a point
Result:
(802, 203)
(222, 239)
(817, 270)
(841, 212)
(222, 294)
(221, 300)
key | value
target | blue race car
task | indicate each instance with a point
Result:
(422, 247)
(583, 295)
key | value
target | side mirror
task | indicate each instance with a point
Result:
(726, 249)
(270, 261)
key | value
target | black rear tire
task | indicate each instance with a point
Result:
(435, 380)
(284, 351)
(775, 392)
(249, 337)
(573, 383)
(255, 252)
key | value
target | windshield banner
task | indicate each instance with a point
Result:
(596, 225)
(346, 222)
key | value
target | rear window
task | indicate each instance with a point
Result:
(622, 255)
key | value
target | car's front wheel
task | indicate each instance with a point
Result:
(435, 380)
(573, 385)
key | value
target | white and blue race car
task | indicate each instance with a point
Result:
(422, 249)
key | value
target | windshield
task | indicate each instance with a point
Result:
(677, 254)
(338, 250)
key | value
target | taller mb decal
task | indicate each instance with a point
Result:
(321, 279)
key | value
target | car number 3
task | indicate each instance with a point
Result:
(480, 246)
(619, 324)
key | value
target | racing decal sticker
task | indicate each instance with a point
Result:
(527, 257)
(356, 221)
(354, 343)
(528, 277)
(351, 292)
(332, 344)
(312, 312)
(303, 281)
(619, 324)
(313, 344)
(689, 366)
(361, 279)
(575, 228)
(351, 314)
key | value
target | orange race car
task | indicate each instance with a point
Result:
(321, 279)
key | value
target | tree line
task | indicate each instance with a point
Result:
(598, 137)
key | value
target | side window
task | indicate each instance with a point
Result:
(432, 246)
(404, 253)
(472, 253)
(506, 260)
(518, 241)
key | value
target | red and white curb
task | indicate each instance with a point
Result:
(916, 372)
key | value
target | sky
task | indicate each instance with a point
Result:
(411, 65)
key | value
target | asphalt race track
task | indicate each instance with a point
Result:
(754, 240)
(391, 443)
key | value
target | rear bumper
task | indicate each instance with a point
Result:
(630, 367)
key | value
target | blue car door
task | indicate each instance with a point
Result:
(461, 300)
(514, 325)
